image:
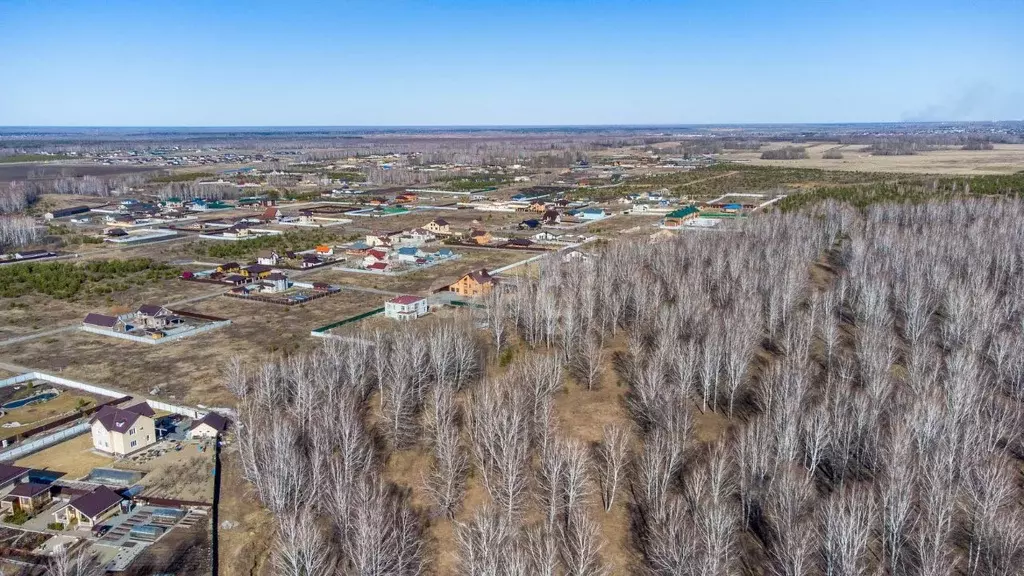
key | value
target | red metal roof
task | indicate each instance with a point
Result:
(406, 299)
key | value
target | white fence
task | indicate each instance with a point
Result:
(61, 381)
(163, 340)
(26, 448)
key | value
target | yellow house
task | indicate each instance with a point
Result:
(29, 497)
(121, 431)
(438, 226)
(228, 267)
(256, 271)
(474, 284)
(90, 508)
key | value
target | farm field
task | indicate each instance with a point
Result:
(1003, 159)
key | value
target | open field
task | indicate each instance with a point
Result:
(189, 370)
(36, 312)
(75, 458)
(1004, 159)
(244, 545)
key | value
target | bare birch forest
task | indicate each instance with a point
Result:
(868, 368)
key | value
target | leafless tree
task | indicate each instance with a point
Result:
(301, 548)
(612, 457)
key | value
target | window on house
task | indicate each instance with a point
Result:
(131, 431)
(133, 443)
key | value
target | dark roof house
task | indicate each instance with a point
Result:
(121, 419)
(100, 320)
(11, 474)
(95, 503)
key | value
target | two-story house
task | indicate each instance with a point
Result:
(121, 431)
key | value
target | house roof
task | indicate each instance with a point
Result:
(405, 299)
(682, 212)
(481, 276)
(116, 419)
(266, 254)
(378, 266)
(229, 265)
(10, 473)
(440, 221)
(96, 502)
(378, 254)
(29, 489)
(408, 250)
(213, 420)
(151, 309)
(271, 213)
(475, 233)
(234, 278)
(258, 269)
(323, 248)
(359, 245)
(100, 320)
(277, 276)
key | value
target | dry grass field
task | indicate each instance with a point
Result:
(1004, 159)
(189, 370)
(37, 312)
(186, 474)
(74, 457)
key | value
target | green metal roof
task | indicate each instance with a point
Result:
(682, 212)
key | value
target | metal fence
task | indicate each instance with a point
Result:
(27, 448)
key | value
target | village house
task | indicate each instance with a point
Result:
(405, 307)
(66, 212)
(154, 316)
(378, 267)
(552, 217)
(475, 283)
(267, 257)
(358, 248)
(256, 271)
(310, 260)
(90, 509)
(590, 214)
(27, 497)
(375, 256)
(228, 267)
(376, 239)
(438, 226)
(410, 254)
(531, 224)
(538, 206)
(275, 282)
(104, 322)
(544, 237)
(210, 426)
(481, 237)
(324, 250)
(677, 218)
(271, 214)
(121, 431)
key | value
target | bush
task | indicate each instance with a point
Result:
(17, 518)
(833, 154)
(55, 525)
(64, 280)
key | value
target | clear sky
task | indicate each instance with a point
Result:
(234, 63)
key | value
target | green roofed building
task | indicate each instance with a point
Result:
(678, 217)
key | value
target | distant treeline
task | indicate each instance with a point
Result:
(167, 177)
(913, 190)
(833, 154)
(978, 145)
(786, 153)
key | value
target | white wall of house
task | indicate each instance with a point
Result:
(405, 311)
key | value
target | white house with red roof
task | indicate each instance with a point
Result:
(405, 307)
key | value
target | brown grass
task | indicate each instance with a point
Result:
(186, 474)
(1004, 159)
(244, 548)
(74, 457)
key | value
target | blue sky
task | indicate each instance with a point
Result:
(228, 63)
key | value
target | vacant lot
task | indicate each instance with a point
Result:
(36, 312)
(75, 458)
(185, 474)
(1004, 159)
(190, 370)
